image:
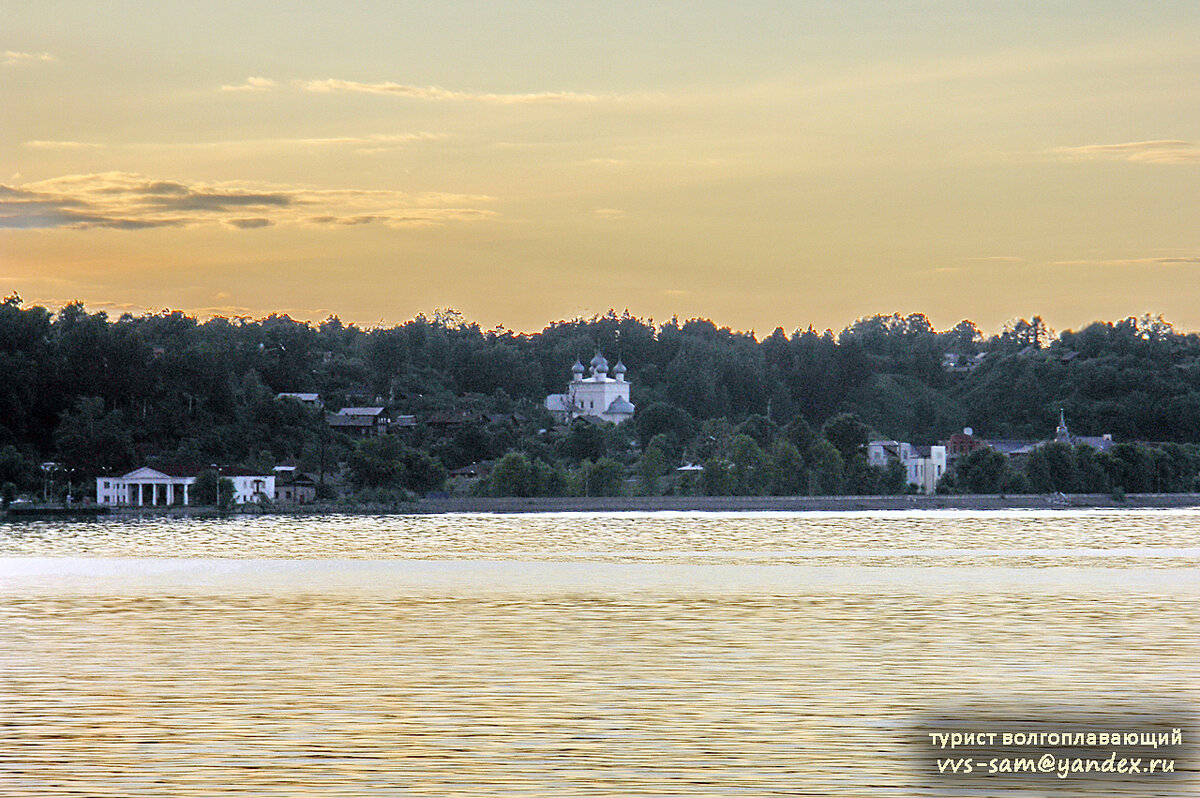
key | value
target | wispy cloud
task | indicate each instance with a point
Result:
(63, 145)
(14, 58)
(436, 93)
(124, 201)
(609, 213)
(1165, 151)
(1167, 260)
(252, 84)
(369, 144)
(998, 259)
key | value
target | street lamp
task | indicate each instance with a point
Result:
(218, 470)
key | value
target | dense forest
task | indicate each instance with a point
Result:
(787, 412)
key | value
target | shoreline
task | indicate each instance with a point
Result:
(618, 504)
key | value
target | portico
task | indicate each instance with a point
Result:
(146, 487)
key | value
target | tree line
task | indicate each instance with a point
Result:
(784, 413)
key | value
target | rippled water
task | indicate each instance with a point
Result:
(574, 654)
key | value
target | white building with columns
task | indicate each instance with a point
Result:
(598, 395)
(164, 487)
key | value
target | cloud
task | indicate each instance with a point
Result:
(124, 201)
(609, 213)
(252, 84)
(1166, 151)
(13, 58)
(999, 259)
(437, 93)
(246, 224)
(367, 144)
(62, 145)
(1167, 260)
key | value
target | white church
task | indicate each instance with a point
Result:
(599, 396)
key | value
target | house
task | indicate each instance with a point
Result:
(292, 486)
(966, 442)
(953, 361)
(361, 421)
(1101, 443)
(308, 399)
(165, 486)
(598, 396)
(961, 443)
(923, 465)
(473, 470)
(446, 419)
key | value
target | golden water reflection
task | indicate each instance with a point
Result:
(128, 677)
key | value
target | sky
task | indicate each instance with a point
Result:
(764, 164)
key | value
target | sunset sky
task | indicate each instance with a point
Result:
(761, 164)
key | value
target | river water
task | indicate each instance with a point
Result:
(575, 654)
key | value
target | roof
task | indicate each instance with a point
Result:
(620, 405)
(1011, 447)
(185, 471)
(449, 417)
(361, 411)
(296, 478)
(338, 420)
(303, 397)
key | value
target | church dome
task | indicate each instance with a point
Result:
(599, 364)
(619, 368)
(577, 368)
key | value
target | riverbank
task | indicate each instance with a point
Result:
(712, 504)
(800, 503)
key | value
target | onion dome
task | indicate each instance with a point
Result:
(619, 368)
(599, 364)
(577, 368)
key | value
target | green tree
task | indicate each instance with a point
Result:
(91, 440)
(209, 490)
(847, 434)
(750, 466)
(787, 469)
(1053, 469)
(801, 435)
(862, 478)
(654, 464)
(604, 477)
(717, 478)
(894, 479)
(387, 462)
(549, 480)
(15, 469)
(983, 471)
(760, 428)
(825, 466)
(662, 418)
(584, 441)
(512, 476)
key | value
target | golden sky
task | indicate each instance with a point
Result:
(766, 164)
